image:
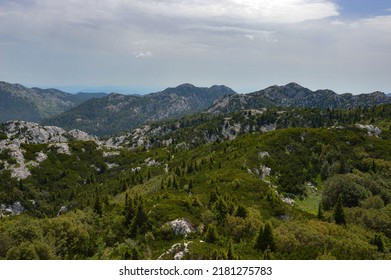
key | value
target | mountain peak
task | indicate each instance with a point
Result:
(294, 85)
(185, 85)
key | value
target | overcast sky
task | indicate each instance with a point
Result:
(145, 45)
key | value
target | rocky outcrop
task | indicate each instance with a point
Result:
(19, 133)
(62, 210)
(372, 130)
(182, 226)
(15, 208)
(176, 252)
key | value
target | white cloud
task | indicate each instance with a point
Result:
(250, 11)
(379, 22)
(143, 54)
(250, 37)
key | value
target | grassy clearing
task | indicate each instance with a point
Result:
(310, 203)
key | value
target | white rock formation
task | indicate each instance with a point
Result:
(182, 226)
(372, 130)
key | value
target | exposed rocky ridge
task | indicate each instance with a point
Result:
(294, 95)
(184, 133)
(118, 113)
(205, 128)
(15, 134)
(18, 102)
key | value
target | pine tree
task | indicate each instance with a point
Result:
(230, 253)
(265, 238)
(174, 183)
(339, 215)
(139, 221)
(169, 183)
(130, 211)
(320, 212)
(211, 234)
(378, 241)
(213, 197)
(98, 206)
(162, 184)
(221, 210)
(241, 212)
(190, 185)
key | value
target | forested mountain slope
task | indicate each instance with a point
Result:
(118, 113)
(18, 102)
(305, 190)
(294, 95)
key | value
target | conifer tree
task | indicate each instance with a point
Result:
(265, 238)
(162, 184)
(129, 211)
(339, 215)
(211, 234)
(230, 253)
(320, 215)
(138, 220)
(169, 183)
(174, 183)
(98, 206)
(241, 212)
(378, 241)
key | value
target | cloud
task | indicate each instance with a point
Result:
(379, 22)
(251, 43)
(143, 54)
(250, 11)
(250, 37)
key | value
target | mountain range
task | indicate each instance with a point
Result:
(294, 95)
(111, 114)
(18, 102)
(118, 113)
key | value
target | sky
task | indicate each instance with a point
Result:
(140, 46)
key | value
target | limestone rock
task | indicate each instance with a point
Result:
(182, 226)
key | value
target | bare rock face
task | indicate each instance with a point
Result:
(176, 252)
(182, 226)
(15, 208)
(28, 132)
(81, 135)
(18, 133)
(372, 130)
(62, 210)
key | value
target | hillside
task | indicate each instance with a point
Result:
(192, 131)
(118, 113)
(294, 95)
(34, 104)
(211, 199)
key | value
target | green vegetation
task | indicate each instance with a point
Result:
(236, 197)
